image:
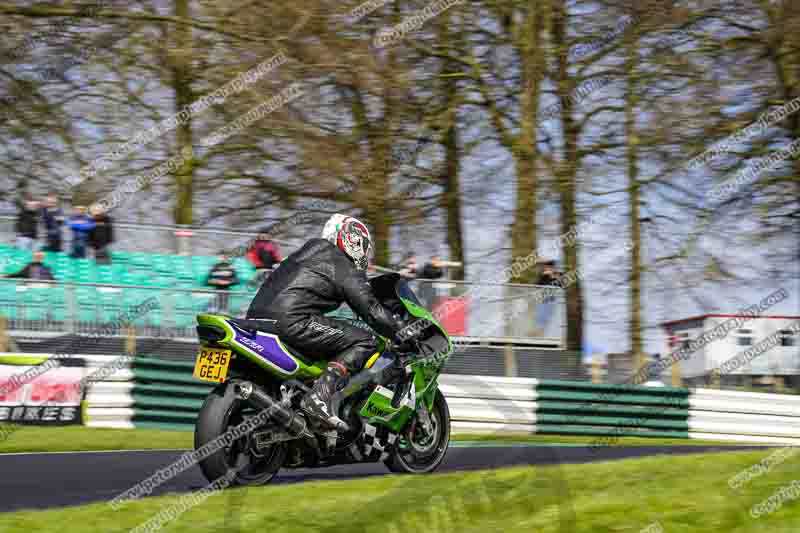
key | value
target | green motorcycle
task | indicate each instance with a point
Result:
(252, 422)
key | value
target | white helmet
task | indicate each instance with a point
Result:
(351, 236)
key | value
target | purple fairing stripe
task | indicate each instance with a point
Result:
(268, 348)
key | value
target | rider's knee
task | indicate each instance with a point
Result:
(357, 355)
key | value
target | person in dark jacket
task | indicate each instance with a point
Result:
(102, 235)
(408, 266)
(36, 269)
(548, 274)
(81, 226)
(27, 223)
(434, 269)
(53, 219)
(313, 281)
(264, 254)
(222, 276)
(546, 302)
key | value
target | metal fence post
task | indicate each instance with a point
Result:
(130, 340)
(168, 311)
(676, 374)
(563, 311)
(596, 368)
(183, 240)
(510, 358)
(71, 308)
(510, 361)
(3, 334)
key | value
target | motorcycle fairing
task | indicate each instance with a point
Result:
(273, 356)
(378, 409)
(268, 347)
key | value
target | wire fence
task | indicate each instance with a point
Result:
(51, 307)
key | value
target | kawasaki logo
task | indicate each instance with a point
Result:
(374, 410)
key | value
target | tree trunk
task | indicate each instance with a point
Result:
(567, 186)
(375, 213)
(181, 62)
(787, 64)
(632, 155)
(524, 150)
(451, 199)
(379, 187)
(377, 217)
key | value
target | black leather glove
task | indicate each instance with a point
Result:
(412, 330)
(405, 346)
(406, 337)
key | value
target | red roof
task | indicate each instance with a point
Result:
(714, 315)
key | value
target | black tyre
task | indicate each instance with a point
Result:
(221, 411)
(420, 453)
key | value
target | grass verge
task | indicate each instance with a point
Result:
(621, 497)
(591, 440)
(81, 438)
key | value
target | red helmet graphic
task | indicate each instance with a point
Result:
(353, 239)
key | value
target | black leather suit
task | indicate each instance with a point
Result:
(314, 280)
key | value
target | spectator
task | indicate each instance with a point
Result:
(408, 267)
(431, 270)
(27, 222)
(548, 274)
(102, 235)
(81, 226)
(264, 255)
(53, 219)
(36, 269)
(222, 276)
(545, 308)
(434, 269)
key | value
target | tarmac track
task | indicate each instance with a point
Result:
(47, 480)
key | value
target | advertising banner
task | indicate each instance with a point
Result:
(32, 394)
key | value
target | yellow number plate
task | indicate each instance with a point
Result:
(212, 364)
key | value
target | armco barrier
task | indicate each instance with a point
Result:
(488, 405)
(580, 408)
(108, 403)
(744, 416)
(161, 393)
(165, 395)
(151, 392)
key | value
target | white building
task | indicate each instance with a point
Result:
(782, 358)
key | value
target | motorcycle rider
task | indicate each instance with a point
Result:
(314, 280)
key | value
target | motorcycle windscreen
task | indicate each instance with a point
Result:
(395, 293)
(434, 343)
(405, 293)
(434, 339)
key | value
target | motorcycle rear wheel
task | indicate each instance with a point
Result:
(220, 412)
(423, 453)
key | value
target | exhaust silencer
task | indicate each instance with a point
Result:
(288, 418)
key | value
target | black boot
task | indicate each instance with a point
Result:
(317, 404)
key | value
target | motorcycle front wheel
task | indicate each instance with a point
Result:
(421, 452)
